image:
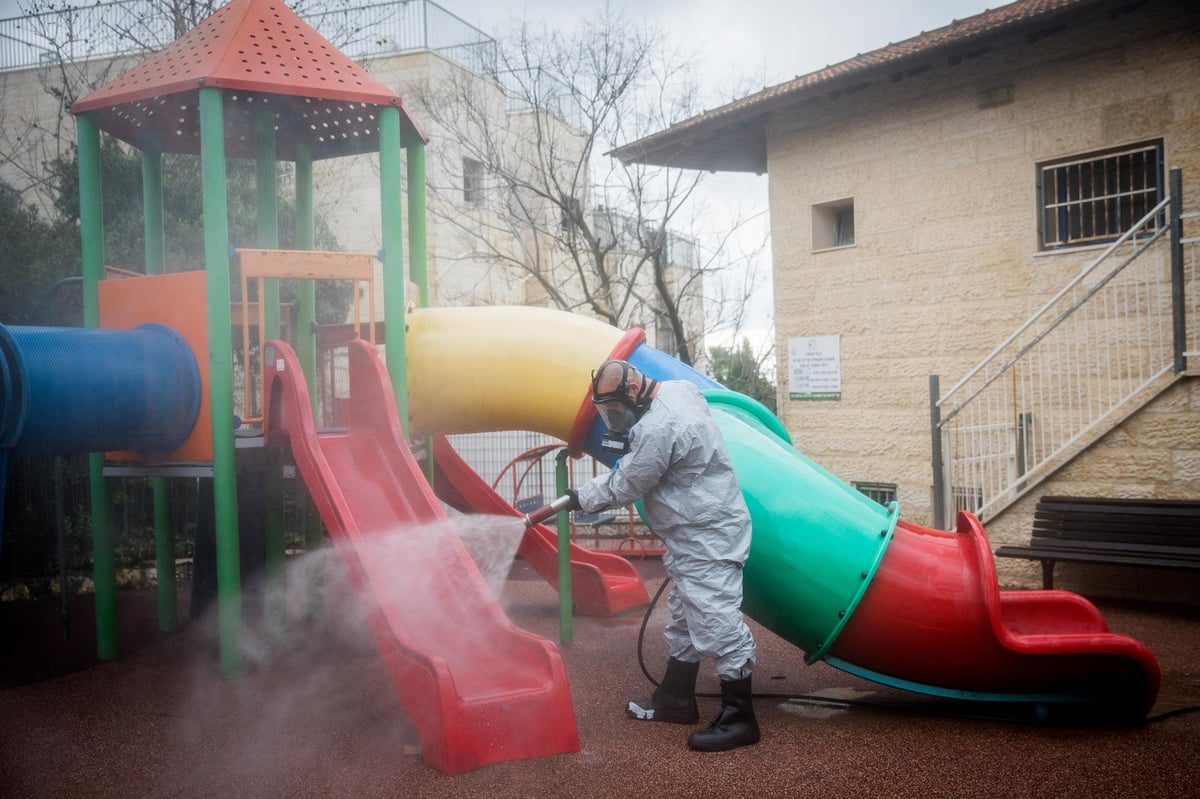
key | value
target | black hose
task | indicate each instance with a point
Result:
(1170, 714)
(642, 630)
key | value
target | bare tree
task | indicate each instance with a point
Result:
(76, 49)
(522, 177)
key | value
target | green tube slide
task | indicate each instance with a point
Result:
(817, 541)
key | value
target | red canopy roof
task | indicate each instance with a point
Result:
(264, 56)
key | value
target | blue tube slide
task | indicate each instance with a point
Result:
(65, 390)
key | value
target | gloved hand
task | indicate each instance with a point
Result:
(573, 504)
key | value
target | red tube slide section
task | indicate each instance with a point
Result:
(602, 584)
(478, 689)
(934, 620)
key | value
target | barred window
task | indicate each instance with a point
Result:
(664, 335)
(883, 493)
(1094, 198)
(570, 213)
(472, 181)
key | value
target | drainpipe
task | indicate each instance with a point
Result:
(935, 433)
(1179, 319)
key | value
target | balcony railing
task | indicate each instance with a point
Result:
(134, 27)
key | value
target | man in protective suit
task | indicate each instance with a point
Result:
(677, 464)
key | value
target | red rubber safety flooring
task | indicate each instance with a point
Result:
(317, 717)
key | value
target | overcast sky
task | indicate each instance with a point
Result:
(747, 43)
(771, 39)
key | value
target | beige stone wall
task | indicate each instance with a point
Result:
(36, 127)
(946, 261)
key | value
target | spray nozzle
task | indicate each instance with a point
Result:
(565, 502)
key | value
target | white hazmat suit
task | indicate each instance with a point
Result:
(677, 464)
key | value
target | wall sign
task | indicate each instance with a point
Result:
(815, 368)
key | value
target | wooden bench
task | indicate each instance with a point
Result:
(1161, 533)
(529, 504)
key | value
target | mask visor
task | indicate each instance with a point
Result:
(616, 415)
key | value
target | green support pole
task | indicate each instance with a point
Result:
(267, 205)
(91, 231)
(393, 256)
(91, 217)
(418, 258)
(164, 557)
(154, 238)
(268, 237)
(306, 351)
(566, 629)
(220, 354)
(104, 562)
(152, 204)
(306, 342)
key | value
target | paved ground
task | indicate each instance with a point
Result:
(319, 719)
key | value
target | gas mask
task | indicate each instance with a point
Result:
(619, 411)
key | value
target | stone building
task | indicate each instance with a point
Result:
(936, 202)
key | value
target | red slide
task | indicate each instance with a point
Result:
(602, 584)
(478, 689)
(934, 620)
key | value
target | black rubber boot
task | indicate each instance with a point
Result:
(674, 699)
(735, 725)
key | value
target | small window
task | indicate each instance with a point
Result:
(472, 181)
(682, 251)
(570, 212)
(1094, 198)
(664, 335)
(883, 493)
(833, 224)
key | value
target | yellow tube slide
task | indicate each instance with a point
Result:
(475, 370)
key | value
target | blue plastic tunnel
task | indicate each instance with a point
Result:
(65, 390)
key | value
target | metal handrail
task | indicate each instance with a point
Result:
(1098, 350)
(1084, 274)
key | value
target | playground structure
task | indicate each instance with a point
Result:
(844, 579)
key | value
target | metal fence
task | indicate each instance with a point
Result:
(397, 27)
(132, 27)
(1102, 347)
(47, 517)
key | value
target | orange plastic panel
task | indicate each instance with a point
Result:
(177, 300)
